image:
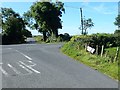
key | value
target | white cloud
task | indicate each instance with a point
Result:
(103, 9)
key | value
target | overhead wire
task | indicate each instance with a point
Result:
(72, 7)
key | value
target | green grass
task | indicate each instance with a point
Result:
(38, 39)
(97, 62)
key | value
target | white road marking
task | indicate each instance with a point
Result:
(32, 64)
(25, 68)
(28, 66)
(3, 71)
(28, 57)
(14, 69)
(24, 55)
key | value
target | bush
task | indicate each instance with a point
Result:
(12, 39)
(65, 37)
(108, 40)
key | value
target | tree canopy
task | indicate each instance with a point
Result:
(87, 23)
(13, 27)
(117, 21)
(45, 17)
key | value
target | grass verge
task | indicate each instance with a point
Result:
(97, 62)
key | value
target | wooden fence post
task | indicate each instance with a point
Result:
(102, 50)
(96, 49)
(86, 47)
(116, 55)
(106, 53)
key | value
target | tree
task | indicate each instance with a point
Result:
(12, 31)
(46, 17)
(26, 33)
(117, 37)
(12, 26)
(117, 21)
(87, 23)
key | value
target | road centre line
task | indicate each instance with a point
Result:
(24, 55)
(3, 71)
(14, 69)
(28, 66)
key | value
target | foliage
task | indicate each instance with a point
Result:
(46, 16)
(108, 40)
(13, 27)
(87, 23)
(38, 38)
(26, 33)
(111, 53)
(117, 37)
(117, 21)
(61, 38)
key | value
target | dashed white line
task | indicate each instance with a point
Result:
(14, 69)
(3, 71)
(24, 55)
(28, 66)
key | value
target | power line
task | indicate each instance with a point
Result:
(72, 7)
(81, 15)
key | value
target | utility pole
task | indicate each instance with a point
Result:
(81, 20)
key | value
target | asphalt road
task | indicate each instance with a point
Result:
(44, 66)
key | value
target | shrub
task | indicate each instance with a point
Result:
(108, 40)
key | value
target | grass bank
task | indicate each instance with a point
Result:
(102, 64)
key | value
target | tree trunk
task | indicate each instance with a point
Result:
(44, 36)
(55, 32)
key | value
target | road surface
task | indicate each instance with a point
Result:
(44, 66)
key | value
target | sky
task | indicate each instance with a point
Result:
(103, 15)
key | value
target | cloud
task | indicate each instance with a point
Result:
(101, 8)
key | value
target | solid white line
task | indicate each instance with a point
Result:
(25, 68)
(14, 69)
(24, 55)
(29, 67)
(28, 57)
(3, 71)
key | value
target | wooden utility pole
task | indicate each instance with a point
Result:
(81, 20)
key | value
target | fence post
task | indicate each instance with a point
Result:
(96, 49)
(116, 55)
(86, 47)
(102, 50)
(106, 53)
